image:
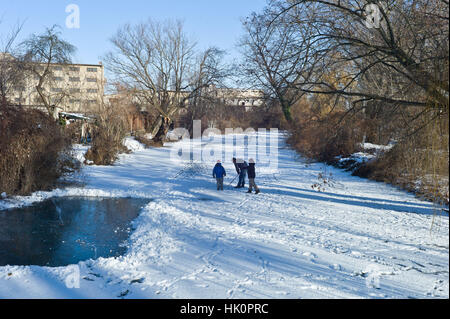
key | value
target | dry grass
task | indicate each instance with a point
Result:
(326, 138)
(418, 163)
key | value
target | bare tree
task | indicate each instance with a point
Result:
(40, 53)
(276, 56)
(11, 70)
(160, 65)
(208, 76)
(402, 43)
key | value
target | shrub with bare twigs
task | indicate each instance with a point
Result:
(109, 131)
(35, 151)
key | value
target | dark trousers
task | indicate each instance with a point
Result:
(219, 184)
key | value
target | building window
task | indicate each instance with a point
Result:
(57, 78)
(57, 68)
(92, 91)
(91, 101)
(91, 80)
(75, 91)
(92, 69)
(74, 69)
(74, 79)
(57, 90)
(74, 101)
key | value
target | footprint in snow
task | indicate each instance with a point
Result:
(137, 281)
(309, 254)
(336, 267)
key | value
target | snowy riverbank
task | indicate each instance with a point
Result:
(356, 239)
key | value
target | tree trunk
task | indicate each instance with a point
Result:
(286, 108)
(160, 129)
(3, 101)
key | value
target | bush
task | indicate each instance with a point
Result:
(107, 137)
(325, 139)
(418, 163)
(34, 151)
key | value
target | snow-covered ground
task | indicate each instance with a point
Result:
(356, 239)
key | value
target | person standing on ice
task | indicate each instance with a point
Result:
(241, 168)
(219, 173)
(252, 176)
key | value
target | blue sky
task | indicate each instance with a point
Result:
(213, 22)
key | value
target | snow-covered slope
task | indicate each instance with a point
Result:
(355, 239)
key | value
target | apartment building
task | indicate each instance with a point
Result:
(75, 88)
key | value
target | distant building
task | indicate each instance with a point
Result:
(70, 87)
(225, 96)
(137, 98)
(239, 97)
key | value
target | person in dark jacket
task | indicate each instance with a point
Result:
(241, 168)
(252, 176)
(219, 173)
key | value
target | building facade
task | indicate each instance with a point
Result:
(239, 97)
(77, 88)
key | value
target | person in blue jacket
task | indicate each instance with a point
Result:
(219, 173)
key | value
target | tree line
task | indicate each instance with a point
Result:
(336, 73)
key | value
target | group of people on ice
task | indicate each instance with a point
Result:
(243, 169)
